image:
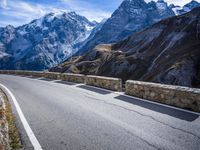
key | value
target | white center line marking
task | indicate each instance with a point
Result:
(27, 128)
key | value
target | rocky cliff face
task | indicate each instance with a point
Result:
(130, 17)
(167, 52)
(44, 42)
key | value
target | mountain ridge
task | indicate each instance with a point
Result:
(167, 52)
(50, 39)
(131, 16)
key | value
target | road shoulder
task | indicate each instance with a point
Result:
(9, 134)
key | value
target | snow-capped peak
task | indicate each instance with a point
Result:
(46, 41)
(178, 10)
(161, 4)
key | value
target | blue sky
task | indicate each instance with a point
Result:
(18, 12)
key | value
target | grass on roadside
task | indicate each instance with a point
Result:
(14, 137)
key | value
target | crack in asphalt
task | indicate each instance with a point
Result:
(148, 143)
(144, 116)
(145, 141)
(125, 129)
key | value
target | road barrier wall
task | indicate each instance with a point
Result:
(114, 84)
(34, 74)
(4, 71)
(183, 97)
(52, 75)
(77, 78)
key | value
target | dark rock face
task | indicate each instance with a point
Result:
(167, 52)
(44, 42)
(130, 17)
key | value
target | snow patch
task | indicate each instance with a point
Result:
(22, 31)
(161, 5)
(2, 55)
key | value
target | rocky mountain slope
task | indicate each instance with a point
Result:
(167, 52)
(44, 42)
(130, 17)
(52, 39)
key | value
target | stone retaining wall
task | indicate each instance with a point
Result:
(52, 75)
(23, 73)
(77, 78)
(4, 72)
(184, 97)
(35, 74)
(32, 73)
(114, 84)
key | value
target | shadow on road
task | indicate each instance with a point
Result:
(159, 108)
(65, 82)
(93, 89)
(45, 79)
(19, 75)
(32, 77)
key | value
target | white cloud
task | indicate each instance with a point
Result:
(23, 12)
(18, 12)
(3, 4)
(176, 2)
(83, 7)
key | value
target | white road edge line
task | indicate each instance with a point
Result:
(27, 128)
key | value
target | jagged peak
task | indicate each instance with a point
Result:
(127, 5)
(137, 1)
(10, 27)
(192, 4)
(58, 15)
(160, 1)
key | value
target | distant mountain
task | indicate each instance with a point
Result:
(167, 52)
(130, 17)
(44, 42)
(52, 39)
(178, 10)
(193, 4)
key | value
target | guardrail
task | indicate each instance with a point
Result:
(77, 78)
(52, 75)
(114, 84)
(183, 97)
(103, 82)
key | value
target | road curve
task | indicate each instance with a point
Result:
(76, 117)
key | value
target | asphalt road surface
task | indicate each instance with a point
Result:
(67, 116)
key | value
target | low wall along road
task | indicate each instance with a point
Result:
(114, 84)
(183, 97)
(179, 96)
(77, 78)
